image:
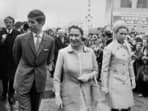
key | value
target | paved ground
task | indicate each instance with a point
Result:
(141, 103)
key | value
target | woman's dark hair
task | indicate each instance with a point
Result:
(76, 27)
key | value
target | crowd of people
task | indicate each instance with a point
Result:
(113, 58)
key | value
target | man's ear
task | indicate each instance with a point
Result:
(42, 23)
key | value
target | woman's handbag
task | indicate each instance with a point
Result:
(99, 99)
(97, 94)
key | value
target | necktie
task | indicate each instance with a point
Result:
(37, 43)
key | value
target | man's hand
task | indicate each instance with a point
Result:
(4, 36)
(145, 57)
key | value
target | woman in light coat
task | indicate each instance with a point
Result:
(117, 74)
(75, 69)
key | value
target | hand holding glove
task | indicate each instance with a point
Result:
(58, 101)
(133, 83)
(105, 90)
(84, 78)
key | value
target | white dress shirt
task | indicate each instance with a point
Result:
(35, 37)
(9, 31)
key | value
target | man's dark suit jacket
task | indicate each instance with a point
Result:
(32, 64)
(59, 45)
(7, 64)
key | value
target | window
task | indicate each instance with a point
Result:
(126, 3)
(142, 4)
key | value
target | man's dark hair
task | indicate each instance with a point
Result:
(9, 17)
(138, 39)
(57, 29)
(108, 33)
(25, 26)
(38, 15)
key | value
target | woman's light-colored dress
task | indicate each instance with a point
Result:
(76, 96)
(116, 76)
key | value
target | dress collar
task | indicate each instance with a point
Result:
(71, 50)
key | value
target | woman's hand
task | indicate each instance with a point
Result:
(84, 78)
(59, 102)
(133, 83)
(87, 77)
(105, 90)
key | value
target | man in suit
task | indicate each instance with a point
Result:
(60, 41)
(34, 52)
(8, 67)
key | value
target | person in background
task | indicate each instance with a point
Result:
(34, 53)
(137, 55)
(59, 41)
(75, 69)
(50, 32)
(145, 41)
(137, 61)
(117, 75)
(133, 34)
(142, 73)
(99, 55)
(25, 27)
(19, 26)
(107, 35)
(98, 50)
(8, 35)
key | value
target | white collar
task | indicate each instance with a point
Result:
(40, 34)
(9, 31)
(71, 50)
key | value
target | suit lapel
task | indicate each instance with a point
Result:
(31, 43)
(41, 44)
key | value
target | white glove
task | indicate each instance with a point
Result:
(58, 102)
(84, 77)
(105, 90)
(133, 83)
